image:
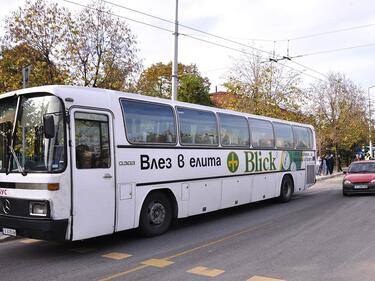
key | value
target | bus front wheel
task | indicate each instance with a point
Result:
(286, 190)
(156, 214)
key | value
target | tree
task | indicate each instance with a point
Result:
(12, 61)
(194, 89)
(264, 88)
(102, 49)
(43, 28)
(156, 81)
(93, 48)
(339, 107)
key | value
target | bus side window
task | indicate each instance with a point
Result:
(92, 141)
(261, 132)
(197, 127)
(234, 130)
(149, 123)
(302, 137)
(283, 135)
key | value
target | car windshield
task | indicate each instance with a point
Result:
(30, 150)
(362, 167)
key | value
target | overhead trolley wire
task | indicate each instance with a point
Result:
(187, 27)
(210, 34)
(314, 34)
(127, 18)
(193, 37)
(327, 32)
(334, 50)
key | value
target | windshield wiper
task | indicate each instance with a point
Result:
(19, 167)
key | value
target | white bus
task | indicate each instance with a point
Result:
(79, 162)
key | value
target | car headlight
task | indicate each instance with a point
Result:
(39, 209)
(347, 182)
(372, 181)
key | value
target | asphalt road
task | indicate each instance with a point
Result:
(319, 235)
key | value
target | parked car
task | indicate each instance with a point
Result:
(360, 178)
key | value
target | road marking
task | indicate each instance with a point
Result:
(214, 242)
(30, 241)
(116, 256)
(123, 273)
(262, 278)
(225, 238)
(205, 271)
(160, 263)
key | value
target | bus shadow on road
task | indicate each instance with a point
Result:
(212, 222)
(193, 222)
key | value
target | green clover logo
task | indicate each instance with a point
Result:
(233, 162)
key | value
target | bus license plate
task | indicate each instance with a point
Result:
(9, 231)
(362, 186)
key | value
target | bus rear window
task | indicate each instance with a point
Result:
(149, 123)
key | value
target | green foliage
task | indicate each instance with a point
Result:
(339, 107)
(102, 49)
(42, 27)
(156, 81)
(14, 59)
(92, 48)
(194, 89)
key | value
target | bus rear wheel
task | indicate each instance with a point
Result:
(156, 214)
(286, 190)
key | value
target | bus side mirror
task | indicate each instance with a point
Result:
(49, 126)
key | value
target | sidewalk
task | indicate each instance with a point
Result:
(2, 237)
(335, 174)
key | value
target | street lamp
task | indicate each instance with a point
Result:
(370, 119)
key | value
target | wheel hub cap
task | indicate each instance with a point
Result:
(157, 213)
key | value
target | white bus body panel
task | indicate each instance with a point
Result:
(93, 190)
(102, 206)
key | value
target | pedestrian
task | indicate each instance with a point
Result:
(367, 156)
(324, 165)
(330, 163)
(320, 164)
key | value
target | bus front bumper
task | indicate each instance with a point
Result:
(45, 229)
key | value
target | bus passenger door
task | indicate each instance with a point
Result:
(92, 173)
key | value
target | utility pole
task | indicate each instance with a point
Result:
(369, 120)
(25, 76)
(175, 58)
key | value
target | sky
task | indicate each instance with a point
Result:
(305, 28)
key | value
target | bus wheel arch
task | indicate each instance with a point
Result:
(286, 188)
(158, 210)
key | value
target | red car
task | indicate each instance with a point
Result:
(360, 178)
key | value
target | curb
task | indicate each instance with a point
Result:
(329, 176)
(5, 238)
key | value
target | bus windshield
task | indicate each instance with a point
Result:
(29, 150)
(7, 112)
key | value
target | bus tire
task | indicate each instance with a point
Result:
(286, 190)
(156, 214)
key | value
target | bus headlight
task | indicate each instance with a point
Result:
(39, 209)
